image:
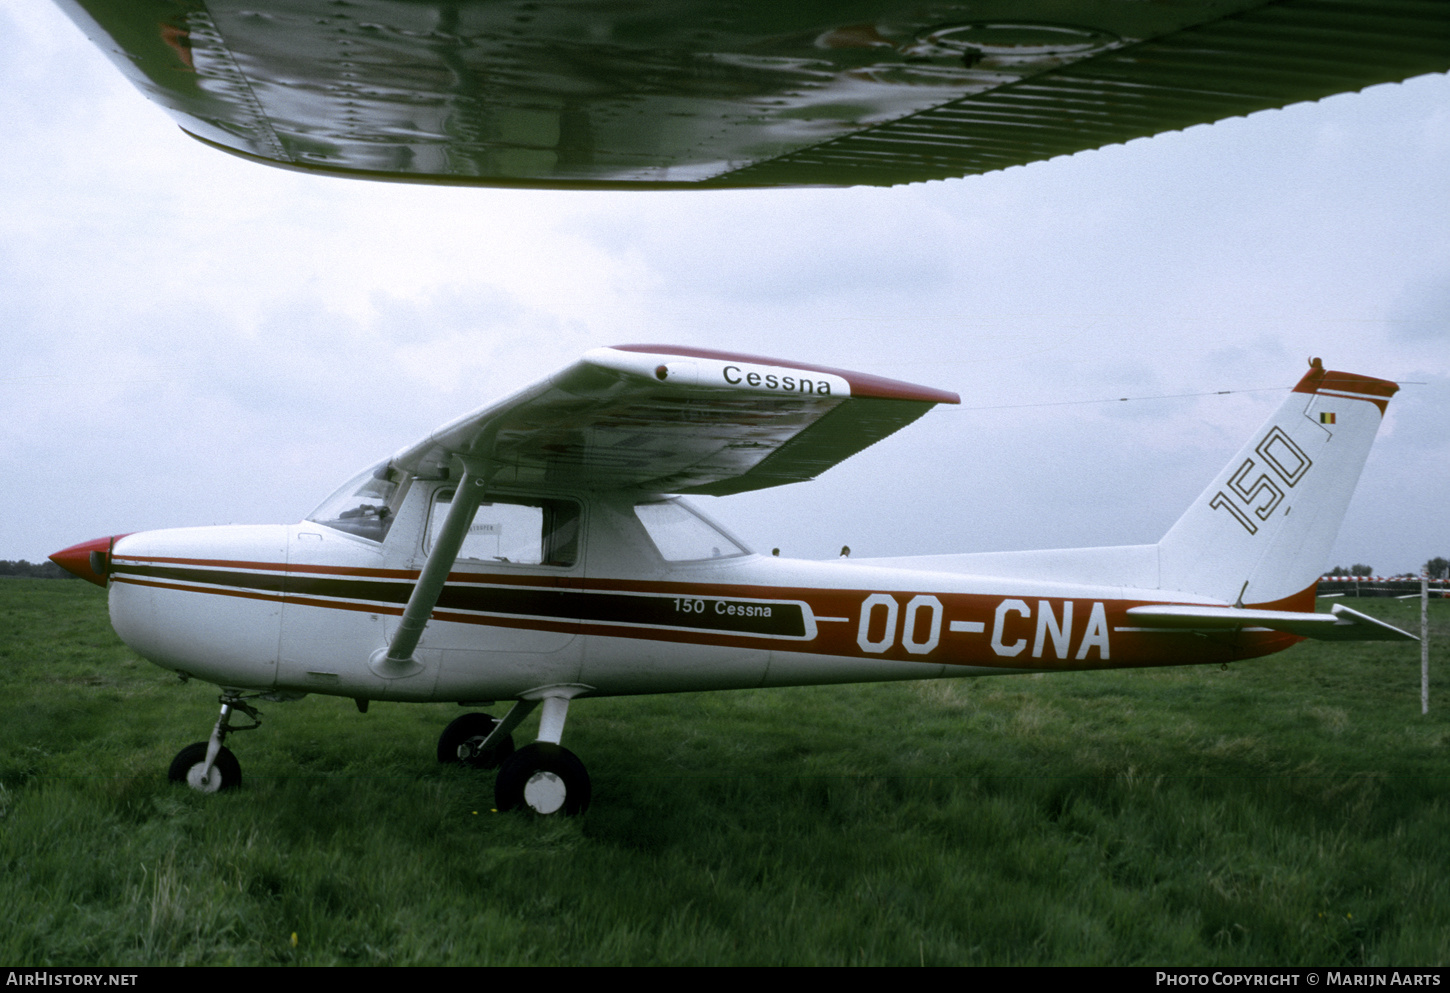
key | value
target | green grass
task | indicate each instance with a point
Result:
(1286, 811)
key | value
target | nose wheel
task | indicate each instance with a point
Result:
(209, 766)
(190, 767)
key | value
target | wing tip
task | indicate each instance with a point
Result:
(861, 384)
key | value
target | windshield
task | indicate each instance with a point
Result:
(681, 535)
(364, 505)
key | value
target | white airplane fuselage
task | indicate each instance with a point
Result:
(306, 609)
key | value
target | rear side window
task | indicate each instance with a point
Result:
(681, 535)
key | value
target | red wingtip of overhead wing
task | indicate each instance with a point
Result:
(90, 560)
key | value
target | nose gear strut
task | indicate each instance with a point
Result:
(209, 766)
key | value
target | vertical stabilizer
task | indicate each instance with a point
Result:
(1262, 531)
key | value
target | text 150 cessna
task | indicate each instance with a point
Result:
(536, 550)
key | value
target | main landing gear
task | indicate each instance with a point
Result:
(207, 766)
(544, 776)
(463, 741)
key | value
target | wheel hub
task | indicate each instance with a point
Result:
(545, 793)
(210, 783)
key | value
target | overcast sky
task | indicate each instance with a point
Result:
(192, 339)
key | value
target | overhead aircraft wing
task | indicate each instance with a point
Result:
(733, 93)
(661, 419)
(1340, 624)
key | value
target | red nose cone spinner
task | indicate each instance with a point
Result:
(90, 560)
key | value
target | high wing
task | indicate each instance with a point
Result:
(733, 93)
(662, 419)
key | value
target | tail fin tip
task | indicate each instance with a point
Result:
(1347, 384)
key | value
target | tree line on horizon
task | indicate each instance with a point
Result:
(32, 570)
(1436, 568)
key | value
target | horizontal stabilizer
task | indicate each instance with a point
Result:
(1340, 624)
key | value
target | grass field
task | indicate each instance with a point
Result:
(1286, 811)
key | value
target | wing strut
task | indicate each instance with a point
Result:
(397, 660)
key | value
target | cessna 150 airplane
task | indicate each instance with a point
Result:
(536, 550)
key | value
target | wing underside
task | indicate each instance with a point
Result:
(733, 93)
(657, 420)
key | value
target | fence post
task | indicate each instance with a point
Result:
(1424, 644)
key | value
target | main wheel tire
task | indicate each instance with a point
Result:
(544, 778)
(461, 739)
(226, 771)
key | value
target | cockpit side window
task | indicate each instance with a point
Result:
(533, 532)
(365, 505)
